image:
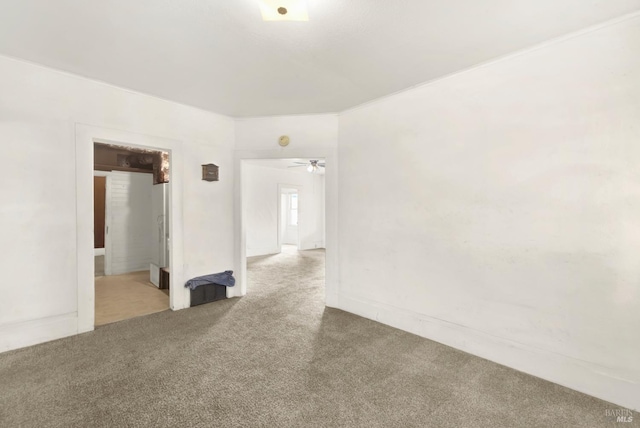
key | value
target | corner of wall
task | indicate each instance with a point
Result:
(560, 369)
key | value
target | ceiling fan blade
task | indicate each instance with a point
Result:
(297, 166)
(302, 163)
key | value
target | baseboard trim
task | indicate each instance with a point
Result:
(588, 378)
(316, 245)
(27, 333)
(253, 252)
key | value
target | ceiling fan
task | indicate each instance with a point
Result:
(312, 165)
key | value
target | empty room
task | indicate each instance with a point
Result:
(356, 213)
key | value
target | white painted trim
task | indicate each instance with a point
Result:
(580, 375)
(266, 251)
(279, 206)
(312, 246)
(27, 333)
(86, 135)
(107, 219)
(329, 154)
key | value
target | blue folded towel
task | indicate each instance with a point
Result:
(223, 278)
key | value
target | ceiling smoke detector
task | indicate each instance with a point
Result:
(284, 10)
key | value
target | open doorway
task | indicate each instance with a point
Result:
(283, 207)
(288, 217)
(131, 235)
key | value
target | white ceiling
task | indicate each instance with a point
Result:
(220, 55)
(288, 164)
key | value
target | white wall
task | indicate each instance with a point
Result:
(304, 131)
(503, 211)
(131, 230)
(261, 200)
(39, 110)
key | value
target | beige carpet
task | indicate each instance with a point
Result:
(275, 358)
(120, 297)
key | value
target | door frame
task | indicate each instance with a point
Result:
(330, 155)
(85, 137)
(107, 220)
(298, 189)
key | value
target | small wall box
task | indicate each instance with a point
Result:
(208, 293)
(210, 172)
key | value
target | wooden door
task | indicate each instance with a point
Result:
(99, 203)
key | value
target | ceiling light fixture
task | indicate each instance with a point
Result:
(284, 10)
(312, 166)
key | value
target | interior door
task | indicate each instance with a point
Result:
(99, 205)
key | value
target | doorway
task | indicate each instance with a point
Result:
(131, 236)
(288, 217)
(85, 137)
(283, 209)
